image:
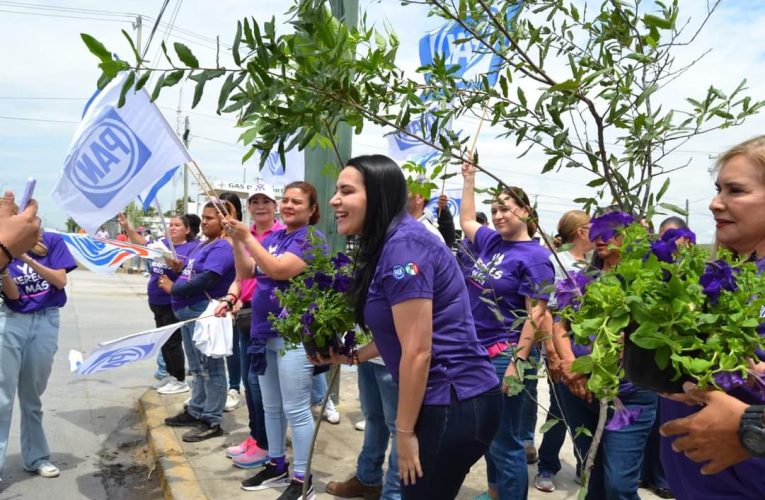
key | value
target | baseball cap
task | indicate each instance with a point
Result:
(265, 189)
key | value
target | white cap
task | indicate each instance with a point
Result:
(265, 189)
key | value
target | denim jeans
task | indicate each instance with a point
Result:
(252, 395)
(28, 342)
(652, 472)
(616, 471)
(530, 408)
(286, 389)
(451, 439)
(319, 388)
(234, 365)
(170, 359)
(506, 459)
(378, 394)
(208, 386)
(552, 440)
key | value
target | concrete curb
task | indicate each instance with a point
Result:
(177, 477)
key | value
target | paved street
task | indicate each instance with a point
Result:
(93, 429)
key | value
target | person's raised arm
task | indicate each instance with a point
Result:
(284, 267)
(468, 223)
(413, 320)
(131, 233)
(18, 231)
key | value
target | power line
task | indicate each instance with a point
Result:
(19, 118)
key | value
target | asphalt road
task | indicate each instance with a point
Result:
(92, 425)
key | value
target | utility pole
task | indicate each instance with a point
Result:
(186, 131)
(137, 25)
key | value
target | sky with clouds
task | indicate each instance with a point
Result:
(48, 75)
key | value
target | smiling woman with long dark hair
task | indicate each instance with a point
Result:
(410, 293)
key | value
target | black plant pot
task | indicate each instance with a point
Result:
(641, 369)
(312, 349)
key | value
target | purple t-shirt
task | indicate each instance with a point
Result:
(414, 264)
(742, 481)
(216, 256)
(506, 272)
(36, 293)
(263, 300)
(157, 296)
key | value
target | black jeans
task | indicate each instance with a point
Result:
(172, 351)
(451, 439)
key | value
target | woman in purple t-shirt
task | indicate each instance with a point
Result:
(207, 274)
(184, 242)
(410, 293)
(33, 292)
(285, 384)
(509, 280)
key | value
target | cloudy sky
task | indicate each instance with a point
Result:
(48, 75)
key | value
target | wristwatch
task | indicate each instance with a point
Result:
(751, 430)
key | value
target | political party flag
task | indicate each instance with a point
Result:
(104, 256)
(403, 146)
(278, 174)
(468, 57)
(116, 153)
(146, 198)
(453, 204)
(122, 351)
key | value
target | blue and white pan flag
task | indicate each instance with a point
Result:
(454, 203)
(469, 58)
(402, 147)
(116, 154)
(278, 174)
(122, 351)
(105, 256)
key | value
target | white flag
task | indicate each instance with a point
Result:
(105, 256)
(126, 350)
(116, 153)
(279, 175)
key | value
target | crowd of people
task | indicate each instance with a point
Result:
(459, 332)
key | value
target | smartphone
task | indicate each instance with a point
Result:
(28, 191)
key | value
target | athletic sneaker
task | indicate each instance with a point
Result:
(241, 448)
(544, 482)
(295, 490)
(182, 419)
(162, 382)
(233, 400)
(255, 456)
(269, 477)
(201, 432)
(174, 387)
(361, 425)
(331, 414)
(47, 469)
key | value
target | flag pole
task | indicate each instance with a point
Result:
(207, 190)
(165, 228)
(470, 154)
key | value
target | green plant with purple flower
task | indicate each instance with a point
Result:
(699, 317)
(315, 306)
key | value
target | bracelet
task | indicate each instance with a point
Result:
(399, 429)
(236, 297)
(354, 358)
(228, 302)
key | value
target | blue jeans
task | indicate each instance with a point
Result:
(552, 440)
(652, 473)
(506, 459)
(234, 365)
(530, 408)
(208, 386)
(286, 389)
(252, 395)
(451, 439)
(161, 366)
(616, 471)
(378, 394)
(319, 388)
(28, 343)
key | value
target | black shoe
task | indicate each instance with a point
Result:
(201, 432)
(664, 492)
(183, 419)
(295, 490)
(269, 477)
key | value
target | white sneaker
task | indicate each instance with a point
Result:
(47, 469)
(162, 382)
(361, 425)
(233, 400)
(186, 403)
(331, 413)
(174, 387)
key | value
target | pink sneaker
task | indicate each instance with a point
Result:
(254, 457)
(241, 448)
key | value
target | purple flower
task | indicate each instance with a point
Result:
(283, 314)
(307, 319)
(341, 260)
(349, 342)
(273, 297)
(342, 283)
(728, 380)
(570, 289)
(623, 416)
(717, 276)
(323, 280)
(665, 248)
(605, 226)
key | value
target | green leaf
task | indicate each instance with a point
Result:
(133, 48)
(185, 55)
(657, 22)
(235, 46)
(582, 364)
(549, 424)
(125, 88)
(663, 189)
(96, 48)
(142, 80)
(566, 86)
(673, 208)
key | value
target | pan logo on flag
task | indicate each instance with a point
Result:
(118, 357)
(415, 127)
(107, 158)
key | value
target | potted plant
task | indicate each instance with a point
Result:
(664, 314)
(316, 311)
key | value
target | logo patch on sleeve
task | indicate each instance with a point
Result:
(401, 271)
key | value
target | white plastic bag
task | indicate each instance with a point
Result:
(213, 336)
